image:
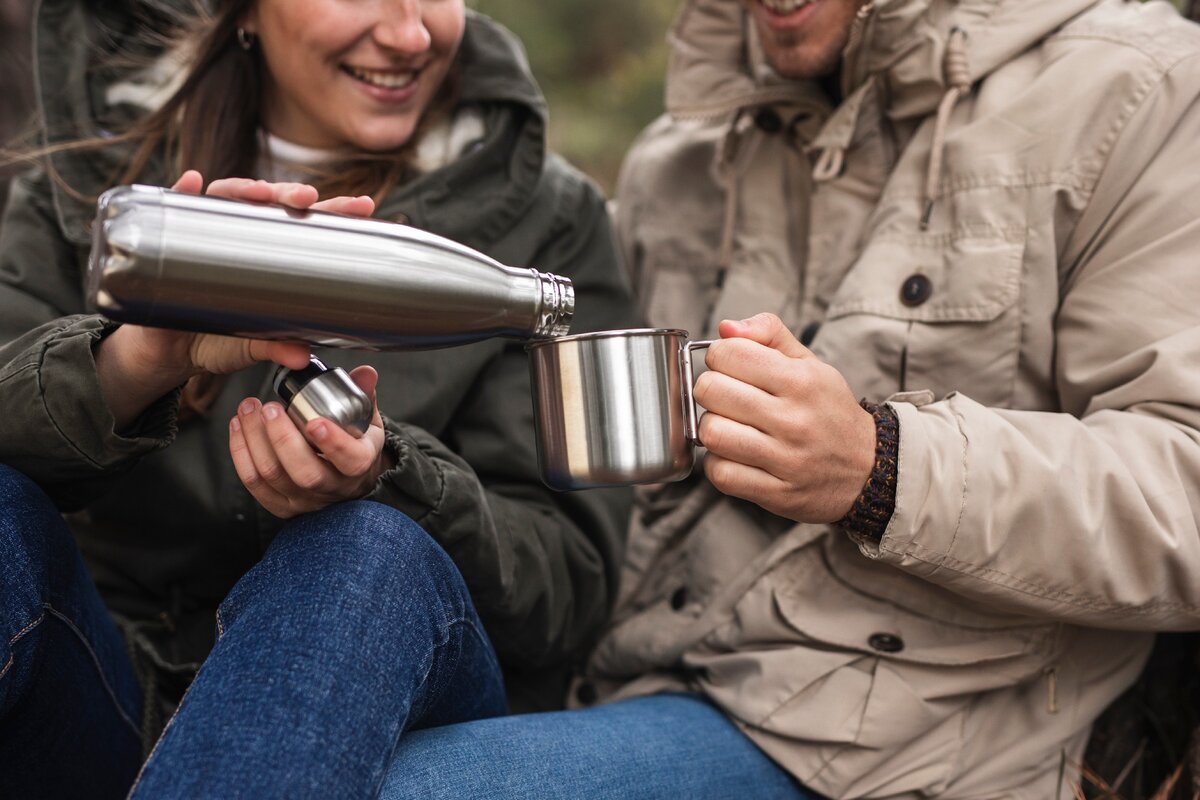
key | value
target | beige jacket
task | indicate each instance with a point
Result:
(1044, 364)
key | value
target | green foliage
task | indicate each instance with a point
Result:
(601, 66)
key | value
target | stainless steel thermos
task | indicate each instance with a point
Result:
(192, 262)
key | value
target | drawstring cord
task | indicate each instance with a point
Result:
(833, 157)
(958, 79)
(829, 164)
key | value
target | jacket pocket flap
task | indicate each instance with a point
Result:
(933, 279)
(838, 616)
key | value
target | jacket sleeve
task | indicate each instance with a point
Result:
(1092, 515)
(56, 427)
(541, 565)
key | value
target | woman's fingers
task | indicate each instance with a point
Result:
(296, 195)
(190, 182)
(247, 473)
(367, 379)
(266, 462)
(362, 206)
(353, 458)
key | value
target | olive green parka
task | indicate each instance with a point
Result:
(159, 513)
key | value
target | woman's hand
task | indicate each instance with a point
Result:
(137, 365)
(783, 429)
(275, 463)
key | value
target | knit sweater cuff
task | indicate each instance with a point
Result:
(872, 510)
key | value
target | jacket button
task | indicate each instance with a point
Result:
(586, 693)
(886, 642)
(916, 290)
(679, 598)
(809, 333)
(768, 121)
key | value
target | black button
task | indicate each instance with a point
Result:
(768, 121)
(886, 642)
(809, 333)
(586, 693)
(916, 290)
(679, 598)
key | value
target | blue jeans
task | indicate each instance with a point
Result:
(662, 747)
(354, 628)
(350, 660)
(69, 705)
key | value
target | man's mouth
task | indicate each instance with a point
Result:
(783, 7)
(383, 80)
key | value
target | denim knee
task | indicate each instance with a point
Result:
(359, 549)
(29, 528)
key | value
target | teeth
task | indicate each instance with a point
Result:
(784, 6)
(384, 80)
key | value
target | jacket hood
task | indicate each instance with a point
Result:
(716, 64)
(76, 99)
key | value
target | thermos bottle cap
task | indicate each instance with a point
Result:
(288, 382)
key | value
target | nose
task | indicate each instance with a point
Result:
(401, 28)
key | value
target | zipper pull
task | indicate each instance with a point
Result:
(1051, 674)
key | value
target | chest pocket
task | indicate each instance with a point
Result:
(930, 312)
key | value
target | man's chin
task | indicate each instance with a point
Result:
(800, 64)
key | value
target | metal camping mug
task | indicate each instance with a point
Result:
(614, 408)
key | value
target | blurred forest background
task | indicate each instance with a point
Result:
(601, 66)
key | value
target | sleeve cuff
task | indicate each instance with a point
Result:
(868, 518)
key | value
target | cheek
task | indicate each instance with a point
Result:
(445, 20)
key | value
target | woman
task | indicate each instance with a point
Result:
(348, 625)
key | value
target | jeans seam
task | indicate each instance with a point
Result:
(18, 635)
(112, 695)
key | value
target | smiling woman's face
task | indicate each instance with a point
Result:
(353, 74)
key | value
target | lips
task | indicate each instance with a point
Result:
(784, 7)
(389, 80)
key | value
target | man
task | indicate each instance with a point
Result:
(981, 218)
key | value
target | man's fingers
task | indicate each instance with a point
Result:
(767, 330)
(731, 397)
(743, 481)
(755, 364)
(737, 442)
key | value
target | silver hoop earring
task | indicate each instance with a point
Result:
(245, 39)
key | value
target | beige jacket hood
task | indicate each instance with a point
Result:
(996, 231)
(716, 65)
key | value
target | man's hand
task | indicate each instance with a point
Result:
(277, 466)
(137, 365)
(783, 429)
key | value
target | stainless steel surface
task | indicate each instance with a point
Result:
(610, 408)
(200, 263)
(335, 397)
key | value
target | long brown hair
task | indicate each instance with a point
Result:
(211, 123)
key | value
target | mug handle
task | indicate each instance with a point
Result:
(691, 417)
